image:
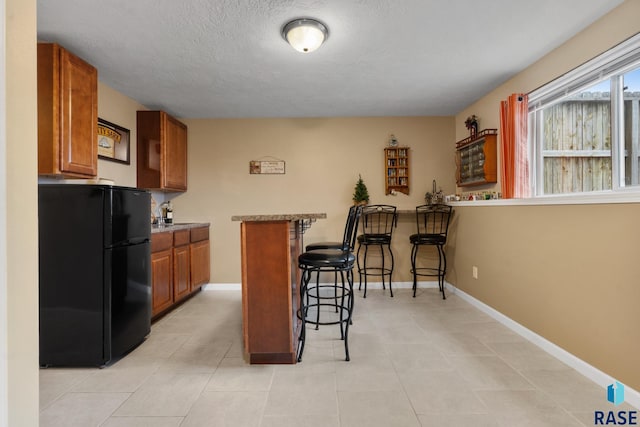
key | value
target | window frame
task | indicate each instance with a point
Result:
(610, 65)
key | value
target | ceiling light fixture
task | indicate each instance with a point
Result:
(305, 35)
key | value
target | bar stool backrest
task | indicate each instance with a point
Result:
(348, 228)
(433, 220)
(351, 230)
(378, 220)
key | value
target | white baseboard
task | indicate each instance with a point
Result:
(400, 285)
(222, 287)
(632, 397)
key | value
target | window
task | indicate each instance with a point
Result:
(631, 116)
(584, 127)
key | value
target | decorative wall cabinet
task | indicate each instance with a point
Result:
(162, 152)
(476, 159)
(396, 160)
(67, 114)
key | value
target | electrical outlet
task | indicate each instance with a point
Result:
(475, 272)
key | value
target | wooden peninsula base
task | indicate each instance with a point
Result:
(270, 247)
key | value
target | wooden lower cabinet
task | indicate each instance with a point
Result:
(179, 265)
(161, 272)
(162, 281)
(199, 254)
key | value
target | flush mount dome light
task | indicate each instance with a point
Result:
(305, 35)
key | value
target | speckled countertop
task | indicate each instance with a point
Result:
(279, 217)
(178, 226)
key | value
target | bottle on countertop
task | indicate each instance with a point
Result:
(168, 213)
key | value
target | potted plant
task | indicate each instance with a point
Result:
(360, 193)
(472, 124)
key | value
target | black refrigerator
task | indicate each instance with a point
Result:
(95, 276)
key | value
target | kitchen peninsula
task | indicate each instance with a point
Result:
(270, 247)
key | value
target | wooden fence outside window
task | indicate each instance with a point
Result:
(577, 143)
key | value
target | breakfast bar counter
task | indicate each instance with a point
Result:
(280, 217)
(270, 246)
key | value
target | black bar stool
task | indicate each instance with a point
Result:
(350, 228)
(339, 261)
(432, 225)
(348, 231)
(378, 222)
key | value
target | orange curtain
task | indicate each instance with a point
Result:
(513, 143)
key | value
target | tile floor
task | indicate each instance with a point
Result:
(414, 362)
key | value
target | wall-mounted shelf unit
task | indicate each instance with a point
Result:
(476, 159)
(396, 160)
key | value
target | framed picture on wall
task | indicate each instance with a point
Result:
(113, 142)
(267, 167)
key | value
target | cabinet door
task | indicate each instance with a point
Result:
(175, 167)
(200, 266)
(79, 116)
(149, 149)
(161, 281)
(181, 279)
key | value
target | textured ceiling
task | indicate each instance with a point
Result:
(226, 58)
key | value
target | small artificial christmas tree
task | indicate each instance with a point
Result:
(360, 193)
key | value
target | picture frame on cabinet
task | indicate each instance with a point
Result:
(114, 142)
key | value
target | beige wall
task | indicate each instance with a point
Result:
(569, 273)
(323, 159)
(116, 108)
(22, 230)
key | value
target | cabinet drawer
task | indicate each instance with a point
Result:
(161, 241)
(180, 237)
(199, 234)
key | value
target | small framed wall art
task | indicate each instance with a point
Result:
(267, 167)
(113, 142)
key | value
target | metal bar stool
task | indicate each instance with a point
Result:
(378, 222)
(348, 231)
(338, 261)
(432, 225)
(350, 228)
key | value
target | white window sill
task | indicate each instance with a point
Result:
(599, 197)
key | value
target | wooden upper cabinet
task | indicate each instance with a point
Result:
(175, 175)
(67, 114)
(162, 152)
